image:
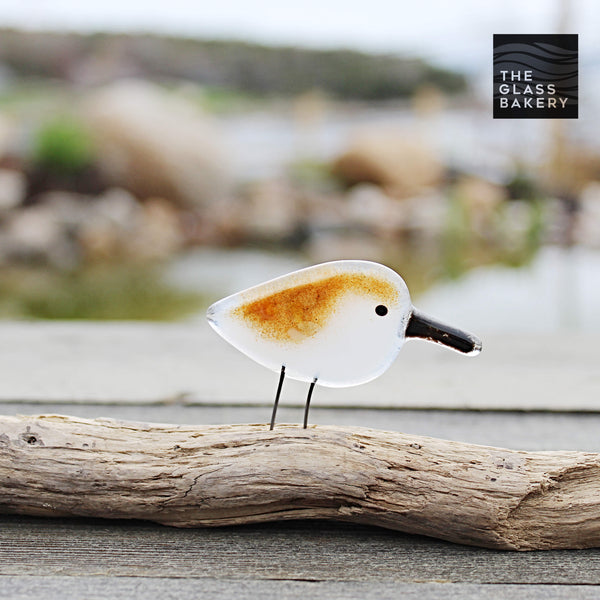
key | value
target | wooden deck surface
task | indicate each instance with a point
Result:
(142, 362)
(83, 558)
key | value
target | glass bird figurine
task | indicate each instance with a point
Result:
(338, 324)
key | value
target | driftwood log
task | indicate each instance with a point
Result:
(192, 476)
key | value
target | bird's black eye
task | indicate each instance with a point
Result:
(381, 310)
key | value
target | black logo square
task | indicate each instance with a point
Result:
(536, 76)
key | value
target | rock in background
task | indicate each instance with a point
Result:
(403, 165)
(65, 230)
(157, 145)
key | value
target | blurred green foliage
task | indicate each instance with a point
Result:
(313, 174)
(216, 99)
(226, 64)
(341, 73)
(102, 292)
(63, 145)
(463, 249)
(23, 97)
(523, 186)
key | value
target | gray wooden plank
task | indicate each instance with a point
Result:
(132, 588)
(516, 430)
(293, 551)
(143, 362)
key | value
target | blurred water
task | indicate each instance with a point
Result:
(263, 144)
(218, 273)
(558, 291)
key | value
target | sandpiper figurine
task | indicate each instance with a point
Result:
(338, 324)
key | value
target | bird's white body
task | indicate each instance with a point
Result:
(341, 323)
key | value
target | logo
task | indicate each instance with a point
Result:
(536, 76)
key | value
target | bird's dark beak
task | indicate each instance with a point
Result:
(426, 328)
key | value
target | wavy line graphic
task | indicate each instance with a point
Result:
(552, 49)
(535, 61)
(541, 48)
(549, 63)
(570, 58)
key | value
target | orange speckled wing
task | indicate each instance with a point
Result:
(301, 311)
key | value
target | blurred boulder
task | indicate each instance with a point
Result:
(221, 225)
(478, 195)
(270, 210)
(8, 135)
(427, 214)
(110, 224)
(118, 227)
(481, 199)
(428, 101)
(157, 145)
(324, 210)
(43, 234)
(403, 165)
(159, 231)
(12, 189)
(369, 206)
(571, 168)
(587, 226)
(64, 230)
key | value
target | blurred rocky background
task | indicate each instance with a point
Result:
(141, 176)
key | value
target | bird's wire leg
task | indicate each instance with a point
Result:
(310, 392)
(281, 378)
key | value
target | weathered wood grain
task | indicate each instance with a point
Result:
(190, 476)
(284, 551)
(132, 588)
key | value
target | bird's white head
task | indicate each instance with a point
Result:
(341, 323)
